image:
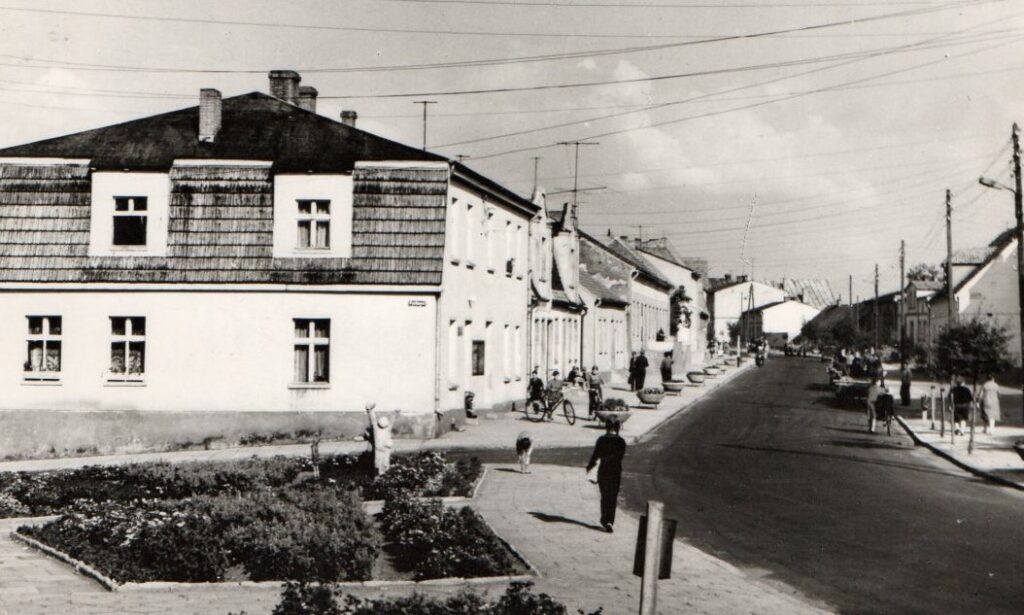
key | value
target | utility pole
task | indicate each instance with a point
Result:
(874, 312)
(903, 266)
(425, 103)
(1019, 211)
(950, 309)
(576, 171)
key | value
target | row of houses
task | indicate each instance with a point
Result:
(248, 267)
(774, 311)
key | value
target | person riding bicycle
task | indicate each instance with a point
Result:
(553, 391)
(535, 388)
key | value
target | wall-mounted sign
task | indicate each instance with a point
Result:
(417, 303)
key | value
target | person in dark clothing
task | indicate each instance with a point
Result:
(666, 367)
(632, 372)
(905, 378)
(608, 452)
(962, 398)
(641, 372)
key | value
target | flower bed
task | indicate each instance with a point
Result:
(434, 541)
(46, 493)
(262, 536)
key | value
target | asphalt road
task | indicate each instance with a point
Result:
(769, 475)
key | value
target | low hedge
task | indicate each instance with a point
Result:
(47, 493)
(323, 536)
(435, 541)
(519, 599)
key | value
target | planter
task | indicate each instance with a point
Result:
(695, 377)
(621, 415)
(711, 371)
(673, 386)
(651, 399)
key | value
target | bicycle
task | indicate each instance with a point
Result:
(538, 409)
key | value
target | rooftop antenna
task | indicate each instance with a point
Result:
(425, 103)
(576, 171)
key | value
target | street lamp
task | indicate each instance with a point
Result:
(1018, 208)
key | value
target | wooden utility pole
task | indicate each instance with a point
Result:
(652, 559)
(425, 103)
(1019, 211)
(849, 303)
(951, 310)
(903, 313)
(874, 312)
(536, 166)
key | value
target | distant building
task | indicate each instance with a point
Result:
(888, 311)
(778, 323)
(917, 310)
(729, 297)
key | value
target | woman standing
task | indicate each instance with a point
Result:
(990, 410)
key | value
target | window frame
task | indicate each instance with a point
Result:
(311, 342)
(314, 218)
(132, 211)
(478, 358)
(45, 337)
(128, 338)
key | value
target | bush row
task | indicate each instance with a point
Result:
(323, 536)
(44, 493)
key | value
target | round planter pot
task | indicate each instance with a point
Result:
(651, 399)
(673, 386)
(621, 415)
(696, 377)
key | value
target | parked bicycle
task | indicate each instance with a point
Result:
(538, 410)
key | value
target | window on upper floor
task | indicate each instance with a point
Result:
(314, 224)
(129, 214)
(313, 216)
(44, 348)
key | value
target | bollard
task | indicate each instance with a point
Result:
(652, 559)
(931, 407)
(942, 412)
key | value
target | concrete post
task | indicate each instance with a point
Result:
(652, 559)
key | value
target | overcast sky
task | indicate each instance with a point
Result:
(844, 137)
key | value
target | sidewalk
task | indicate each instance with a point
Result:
(499, 431)
(993, 457)
(551, 518)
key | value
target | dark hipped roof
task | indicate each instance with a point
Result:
(254, 126)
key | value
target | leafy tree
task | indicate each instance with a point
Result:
(971, 349)
(925, 272)
(679, 310)
(811, 332)
(734, 331)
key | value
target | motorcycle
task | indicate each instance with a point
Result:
(759, 359)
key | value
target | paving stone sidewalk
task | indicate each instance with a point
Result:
(497, 432)
(551, 516)
(992, 456)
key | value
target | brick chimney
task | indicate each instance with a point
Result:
(349, 117)
(284, 84)
(307, 98)
(209, 114)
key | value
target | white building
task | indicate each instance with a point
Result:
(778, 323)
(250, 267)
(731, 297)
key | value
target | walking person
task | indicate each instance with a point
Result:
(990, 410)
(905, 378)
(961, 397)
(608, 453)
(875, 389)
(666, 367)
(524, 447)
(641, 371)
(595, 391)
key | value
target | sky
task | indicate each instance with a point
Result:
(797, 138)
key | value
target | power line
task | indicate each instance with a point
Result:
(681, 5)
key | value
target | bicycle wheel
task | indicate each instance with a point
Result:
(569, 411)
(535, 411)
(888, 425)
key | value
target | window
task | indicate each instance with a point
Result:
(130, 217)
(43, 359)
(127, 348)
(314, 222)
(312, 350)
(478, 357)
(471, 233)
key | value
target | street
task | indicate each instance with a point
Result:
(769, 475)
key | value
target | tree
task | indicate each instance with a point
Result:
(811, 332)
(925, 272)
(680, 312)
(734, 331)
(973, 349)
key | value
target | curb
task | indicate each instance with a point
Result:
(79, 566)
(999, 480)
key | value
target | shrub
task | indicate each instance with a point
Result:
(614, 404)
(11, 507)
(420, 473)
(518, 599)
(436, 542)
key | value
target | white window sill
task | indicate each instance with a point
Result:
(519, 378)
(41, 382)
(124, 383)
(309, 385)
(508, 380)
(453, 387)
(490, 270)
(519, 276)
(455, 261)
